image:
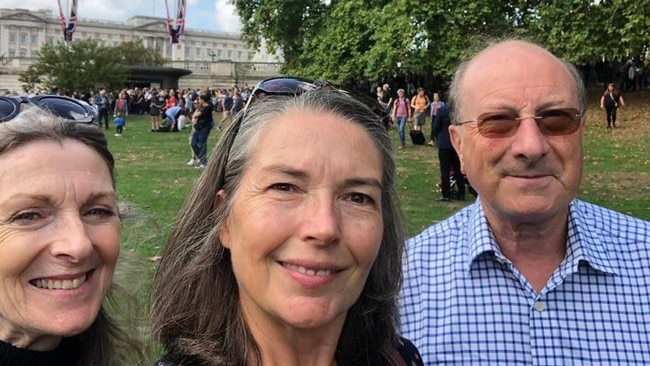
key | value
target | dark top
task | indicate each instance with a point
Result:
(227, 102)
(388, 95)
(441, 126)
(406, 349)
(204, 120)
(66, 354)
(612, 100)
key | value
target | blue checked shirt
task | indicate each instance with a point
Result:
(464, 303)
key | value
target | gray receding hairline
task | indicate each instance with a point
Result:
(454, 100)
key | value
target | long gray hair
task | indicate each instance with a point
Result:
(195, 297)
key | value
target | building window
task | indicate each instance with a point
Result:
(23, 53)
(23, 38)
(229, 54)
(187, 52)
(168, 51)
(34, 38)
(238, 55)
(218, 53)
(12, 38)
(50, 41)
(12, 53)
(198, 52)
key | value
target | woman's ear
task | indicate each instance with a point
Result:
(224, 231)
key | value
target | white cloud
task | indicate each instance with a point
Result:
(201, 14)
(118, 10)
(226, 17)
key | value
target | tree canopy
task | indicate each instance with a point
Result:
(85, 64)
(347, 40)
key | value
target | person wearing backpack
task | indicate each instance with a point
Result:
(419, 103)
(401, 112)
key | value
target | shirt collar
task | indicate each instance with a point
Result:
(586, 244)
(479, 235)
(583, 244)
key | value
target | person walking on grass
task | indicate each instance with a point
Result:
(401, 113)
(121, 110)
(610, 102)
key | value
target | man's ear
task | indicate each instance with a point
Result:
(224, 231)
(457, 142)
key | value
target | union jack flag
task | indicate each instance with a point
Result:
(175, 27)
(72, 22)
(68, 26)
(180, 21)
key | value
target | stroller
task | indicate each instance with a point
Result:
(453, 187)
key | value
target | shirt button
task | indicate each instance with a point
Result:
(539, 306)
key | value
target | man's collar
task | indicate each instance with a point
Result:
(583, 244)
(586, 244)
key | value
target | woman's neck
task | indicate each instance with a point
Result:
(281, 344)
(21, 338)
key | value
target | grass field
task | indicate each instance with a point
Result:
(153, 177)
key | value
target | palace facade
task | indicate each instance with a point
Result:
(23, 32)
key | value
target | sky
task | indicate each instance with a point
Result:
(214, 15)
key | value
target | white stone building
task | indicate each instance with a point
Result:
(23, 32)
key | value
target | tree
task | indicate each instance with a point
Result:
(79, 66)
(135, 53)
(347, 40)
(283, 23)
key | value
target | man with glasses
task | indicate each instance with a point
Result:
(527, 275)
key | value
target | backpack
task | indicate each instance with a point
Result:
(405, 101)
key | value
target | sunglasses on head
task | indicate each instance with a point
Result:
(551, 122)
(296, 85)
(282, 86)
(61, 106)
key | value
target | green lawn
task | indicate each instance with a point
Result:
(153, 177)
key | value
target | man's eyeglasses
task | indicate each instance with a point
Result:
(551, 122)
(64, 107)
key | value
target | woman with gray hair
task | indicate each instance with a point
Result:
(288, 250)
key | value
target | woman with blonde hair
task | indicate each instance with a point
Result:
(59, 240)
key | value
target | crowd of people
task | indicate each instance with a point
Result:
(169, 110)
(291, 248)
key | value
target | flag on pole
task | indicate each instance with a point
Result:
(176, 27)
(68, 26)
(72, 22)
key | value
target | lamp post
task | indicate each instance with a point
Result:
(212, 55)
(397, 75)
